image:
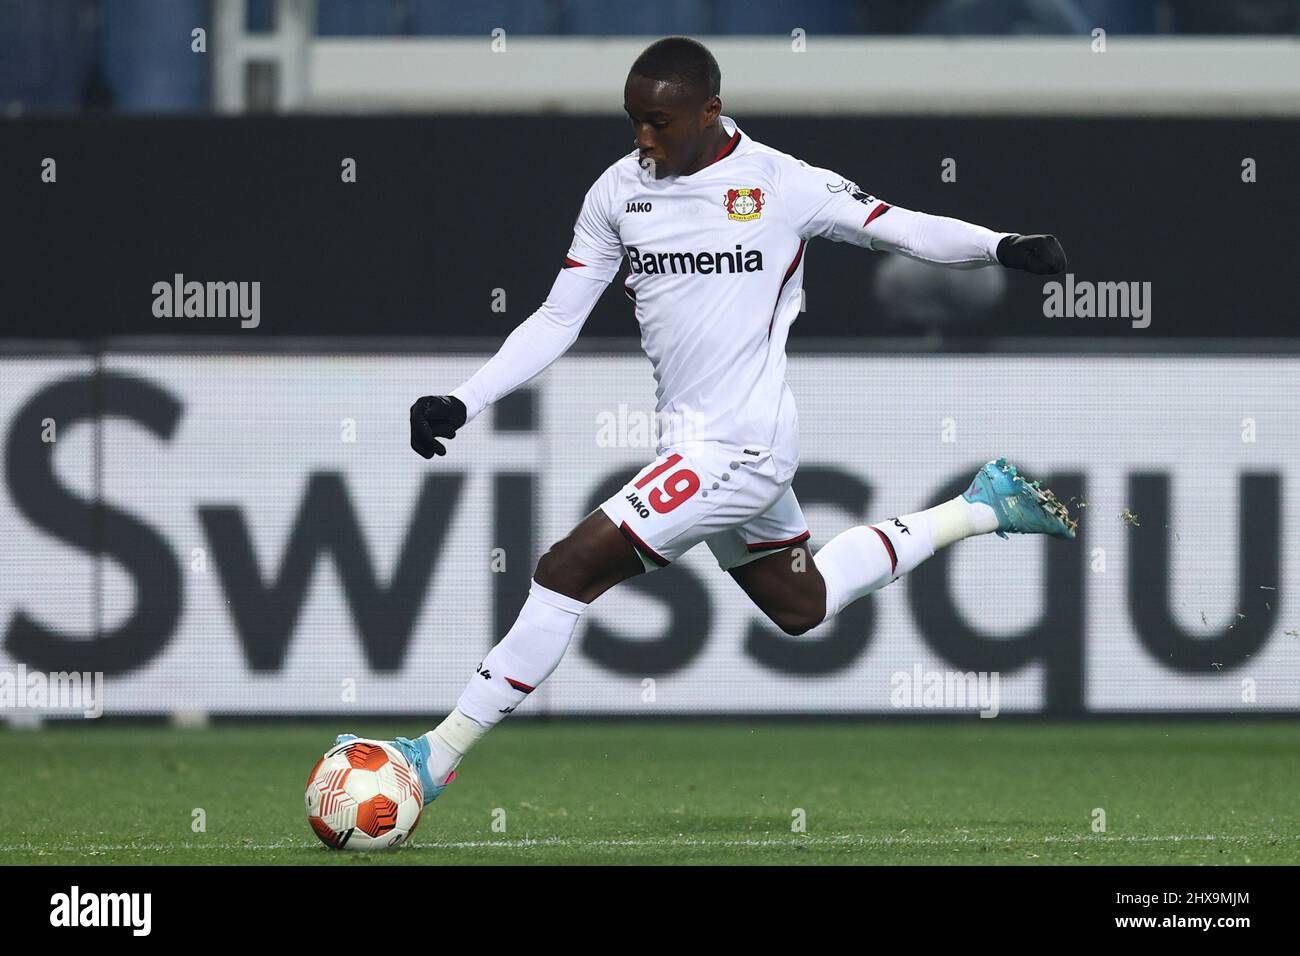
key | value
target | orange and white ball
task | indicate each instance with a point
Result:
(363, 795)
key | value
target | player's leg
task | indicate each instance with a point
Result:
(798, 591)
(576, 570)
(787, 586)
(769, 557)
(798, 594)
(623, 538)
(589, 560)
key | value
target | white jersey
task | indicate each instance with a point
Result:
(716, 275)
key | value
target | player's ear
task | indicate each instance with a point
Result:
(712, 109)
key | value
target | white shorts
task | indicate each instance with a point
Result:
(727, 496)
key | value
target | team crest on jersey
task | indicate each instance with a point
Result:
(744, 204)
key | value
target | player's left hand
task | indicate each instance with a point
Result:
(1041, 255)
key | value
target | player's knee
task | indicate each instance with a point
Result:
(797, 622)
(563, 568)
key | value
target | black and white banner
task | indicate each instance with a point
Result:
(252, 534)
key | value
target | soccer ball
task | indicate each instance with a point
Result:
(363, 795)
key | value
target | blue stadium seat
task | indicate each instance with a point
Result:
(355, 18)
(999, 17)
(146, 55)
(260, 16)
(632, 18)
(46, 51)
(480, 18)
(769, 17)
(1121, 16)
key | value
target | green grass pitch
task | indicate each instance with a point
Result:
(987, 791)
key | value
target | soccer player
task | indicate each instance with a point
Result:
(713, 226)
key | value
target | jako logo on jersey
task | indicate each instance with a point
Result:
(641, 509)
(744, 204)
(690, 263)
(638, 206)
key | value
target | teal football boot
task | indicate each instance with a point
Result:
(1022, 506)
(416, 753)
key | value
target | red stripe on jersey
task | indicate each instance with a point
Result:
(520, 685)
(642, 546)
(889, 546)
(878, 211)
(769, 545)
(571, 263)
(728, 148)
(794, 264)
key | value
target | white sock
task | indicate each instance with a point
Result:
(959, 518)
(867, 557)
(450, 741)
(525, 657)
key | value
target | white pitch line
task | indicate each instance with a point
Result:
(671, 843)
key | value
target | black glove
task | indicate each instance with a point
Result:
(1041, 255)
(434, 417)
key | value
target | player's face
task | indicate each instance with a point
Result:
(672, 127)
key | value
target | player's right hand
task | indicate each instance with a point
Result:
(434, 417)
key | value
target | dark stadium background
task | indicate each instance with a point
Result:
(447, 206)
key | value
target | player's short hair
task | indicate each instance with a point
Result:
(683, 62)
